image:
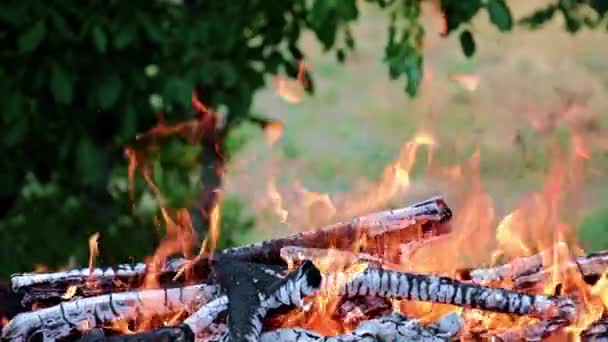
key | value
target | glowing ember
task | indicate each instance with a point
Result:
(70, 292)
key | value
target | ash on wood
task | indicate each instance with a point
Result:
(86, 313)
(179, 333)
(431, 288)
(529, 271)
(395, 327)
(42, 287)
(373, 233)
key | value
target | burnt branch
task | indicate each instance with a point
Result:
(418, 221)
(86, 313)
(88, 282)
(529, 271)
(204, 317)
(253, 292)
(436, 289)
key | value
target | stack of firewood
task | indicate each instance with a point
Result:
(237, 294)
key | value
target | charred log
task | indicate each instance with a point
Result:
(373, 232)
(204, 317)
(431, 288)
(529, 271)
(253, 292)
(43, 287)
(82, 314)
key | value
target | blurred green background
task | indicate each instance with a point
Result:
(81, 80)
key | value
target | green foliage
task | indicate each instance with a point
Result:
(467, 42)
(500, 14)
(593, 232)
(236, 224)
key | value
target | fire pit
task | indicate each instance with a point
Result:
(350, 277)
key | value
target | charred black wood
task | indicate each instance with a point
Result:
(436, 289)
(252, 292)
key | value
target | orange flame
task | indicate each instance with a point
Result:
(292, 90)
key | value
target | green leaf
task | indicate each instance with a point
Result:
(347, 9)
(467, 43)
(538, 17)
(600, 6)
(413, 72)
(458, 12)
(88, 162)
(500, 15)
(99, 39)
(32, 38)
(340, 55)
(109, 91)
(126, 36)
(61, 26)
(178, 91)
(61, 85)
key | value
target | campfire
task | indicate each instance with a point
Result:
(394, 275)
(351, 279)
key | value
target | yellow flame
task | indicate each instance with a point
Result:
(507, 239)
(276, 201)
(93, 251)
(70, 292)
(214, 225)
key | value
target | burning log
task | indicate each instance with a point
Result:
(373, 232)
(204, 317)
(395, 327)
(86, 313)
(528, 271)
(88, 281)
(252, 293)
(431, 288)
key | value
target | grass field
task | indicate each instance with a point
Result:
(343, 136)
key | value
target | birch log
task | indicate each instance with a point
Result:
(86, 313)
(431, 288)
(528, 271)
